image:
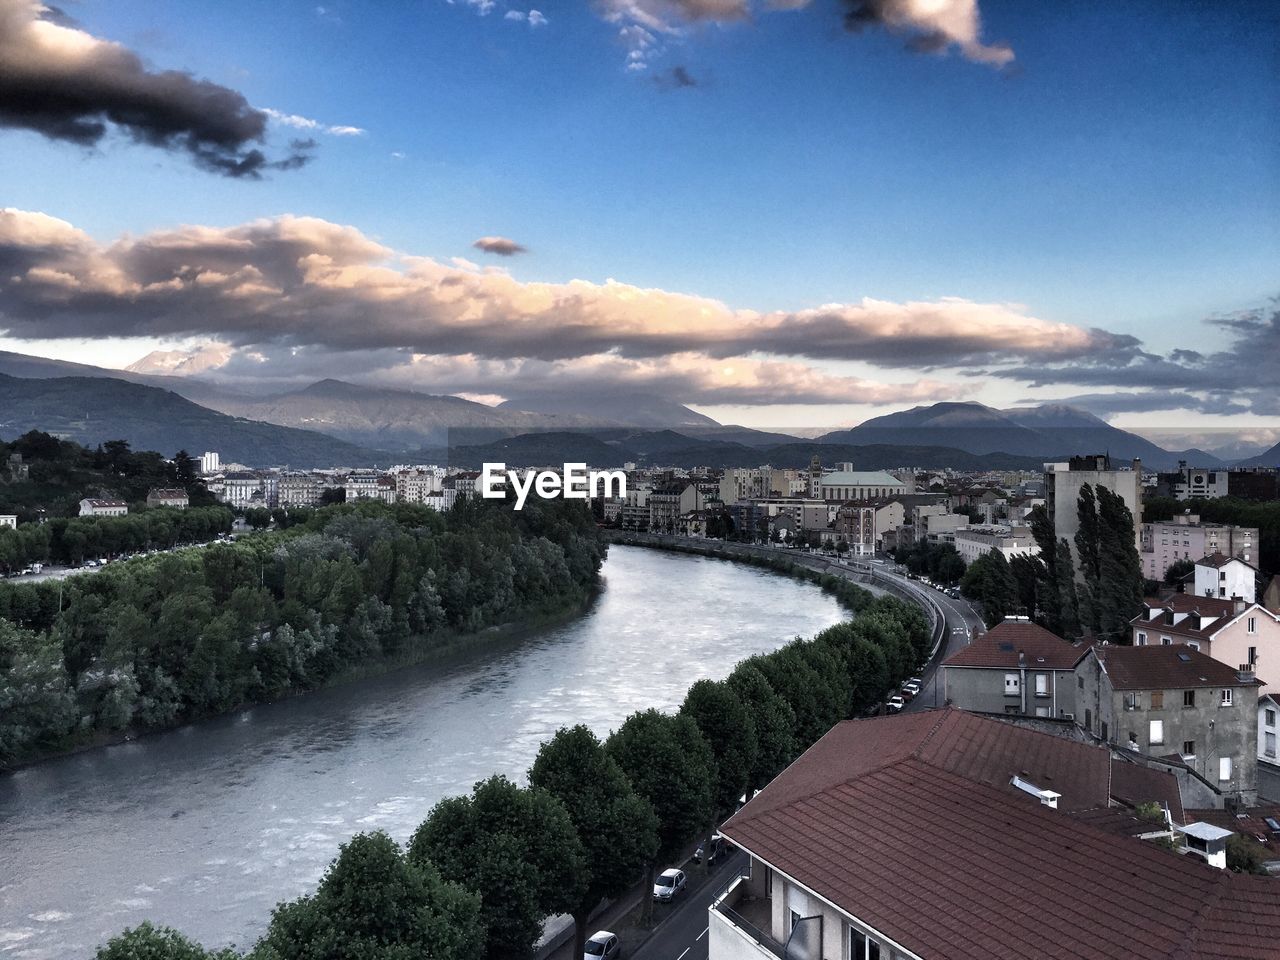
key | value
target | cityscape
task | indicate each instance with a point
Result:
(662, 479)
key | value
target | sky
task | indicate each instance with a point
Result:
(800, 213)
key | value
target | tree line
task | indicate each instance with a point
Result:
(482, 872)
(158, 641)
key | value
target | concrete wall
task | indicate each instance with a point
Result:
(983, 689)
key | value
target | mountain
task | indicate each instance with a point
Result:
(613, 448)
(629, 408)
(91, 410)
(1270, 458)
(182, 363)
(1052, 431)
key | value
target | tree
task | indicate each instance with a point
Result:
(990, 583)
(186, 469)
(671, 766)
(1246, 855)
(730, 732)
(146, 942)
(774, 722)
(1111, 571)
(1177, 570)
(375, 904)
(517, 848)
(1056, 591)
(618, 828)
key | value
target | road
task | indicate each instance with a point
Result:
(683, 934)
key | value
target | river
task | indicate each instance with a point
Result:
(206, 827)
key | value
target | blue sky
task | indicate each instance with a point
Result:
(1120, 173)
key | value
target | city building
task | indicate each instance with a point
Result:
(370, 486)
(946, 836)
(1226, 577)
(848, 484)
(418, 484)
(1268, 709)
(9, 520)
(242, 489)
(91, 507)
(1011, 542)
(1167, 542)
(1016, 667)
(1193, 483)
(1063, 482)
(298, 490)
(1233, 632)
(174, 497)
(210, 462)
(1173, 701)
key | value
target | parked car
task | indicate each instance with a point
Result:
(895, 703)
(602, 945)
(918, 681)
(719, 847)
(669, 884)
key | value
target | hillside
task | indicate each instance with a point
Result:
(1268, 458)
(629, 408)
(92, 410)
(1052, 431)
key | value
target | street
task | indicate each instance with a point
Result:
(683, 935)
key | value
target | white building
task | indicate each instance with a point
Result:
(9, 520)
(1063, 482)
(1184, 537)
(1198, 483)
(370, 486)
(91, 507)
(1227, 578)
(174, 497)
(241, 490)
(1011, 542)
(210, 462)
(417, 484)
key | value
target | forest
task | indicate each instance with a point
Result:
(160, 640)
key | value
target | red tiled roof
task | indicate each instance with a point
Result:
(1005, 876)
(1134, 783)
(1217, 560)
(1000, 646)
(1165, 667)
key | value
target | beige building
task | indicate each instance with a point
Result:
(1062, 485)
(175, 497)
(418, 485)
(1233, 632)
(1186, 538)
(1009, 541)
(848, 484)
(91, 507)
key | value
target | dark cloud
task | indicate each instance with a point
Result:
(502, 246)
(63, 83)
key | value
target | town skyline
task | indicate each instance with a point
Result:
(808, 213)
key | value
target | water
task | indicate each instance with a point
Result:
(206, 827)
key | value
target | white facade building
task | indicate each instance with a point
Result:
(210, 462)
(91, 507)
(1227, 578)
(9, 520)
(1011, 542)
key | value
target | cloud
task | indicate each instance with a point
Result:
(306, 123)
(500, 246)
(534, 17)
(931, 26)
(65, 84)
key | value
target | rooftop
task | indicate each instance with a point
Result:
(1165, 667)
(861, 478)
(1005, 876)
(1001, 645)
(1218, 560)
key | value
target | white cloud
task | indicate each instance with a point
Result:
(306, 123)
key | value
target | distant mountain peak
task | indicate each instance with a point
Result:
(182, 363)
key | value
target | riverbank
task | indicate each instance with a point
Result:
(453, 647)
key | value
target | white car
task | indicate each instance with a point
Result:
(669, 884)
(602, 945)
(895, 703)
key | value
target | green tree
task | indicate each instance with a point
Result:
(1177, 570)
(671, 766)
(774, 722)
(618, 828)
(730, 732)
(146, 942)
(374, 903)
(517, 848)
(989, 582)
(1110, 569)
(1246, 855)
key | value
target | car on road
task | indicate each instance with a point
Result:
(895, 703)
(670, 883)
(719, 847)
(602, 945)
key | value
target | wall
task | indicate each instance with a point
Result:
(982, 689)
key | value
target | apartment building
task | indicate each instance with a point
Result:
(174, 497)
(369, 486)
(298, 490)
(1173, 701)
(1011, 542)
(945, 836)
(9, 520)
(418, 485)
(1017, 667)
(1166, 542)
(750, 483)
(1063, 482)
(1228, 578)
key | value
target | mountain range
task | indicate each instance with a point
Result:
(173, 404)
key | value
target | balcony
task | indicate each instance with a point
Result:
(739, 925)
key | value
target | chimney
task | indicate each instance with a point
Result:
(1239, 604)
(1022, 658)
(1245, 674)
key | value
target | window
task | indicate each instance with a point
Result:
(1155, 734)
(1011, 685)
(1226, 697)
(1193, 645)
(1165, 641)
(1224, 769)
(1253, 628)
(1269, 717)
(1253, 656)
(1142, 639)
(1131, 701)
(1188, 748)
(1042, 711)
(1042, 684)
(1157, 699)
(1188, 698)
(1080, 682)
(1270, 744)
